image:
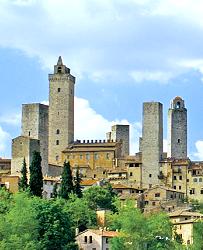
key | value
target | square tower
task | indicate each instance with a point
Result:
(35, 125)
(152, 142)
(120, 133)
(61, 111)
(177, 129)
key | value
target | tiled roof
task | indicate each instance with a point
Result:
(88, 182)
(105, 233)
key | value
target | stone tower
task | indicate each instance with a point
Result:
(177, 129)
(152, 142)
(61, 111)
(35, 126)
(120, 132)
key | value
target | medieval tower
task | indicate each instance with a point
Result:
(61, 111)
(152, 142)
(177, 129)
(120, 133)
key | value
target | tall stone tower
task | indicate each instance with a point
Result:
(61, 111)
(120, 133)
(35, 126)
(177, 129)
(152, 142)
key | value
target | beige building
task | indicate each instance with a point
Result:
(10, 183)
(92, 239)
(5, 166)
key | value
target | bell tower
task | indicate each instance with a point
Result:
(177, 129)
(61, 111)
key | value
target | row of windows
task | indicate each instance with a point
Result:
(90, 239)
(192, 191)
(88, 156)
(179, 187)
(175, 177)
(196, 180)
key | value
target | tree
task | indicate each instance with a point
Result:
(141, 232)
(54, 230)
(66, 182)
(77, 187)
(6, 200)
(36, 178)
(19, 226)
(23, 184)
(99, 197)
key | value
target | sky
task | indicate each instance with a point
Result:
(122, 52)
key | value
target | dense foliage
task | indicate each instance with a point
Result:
(36, 178)
(23, 183)
(67, 182)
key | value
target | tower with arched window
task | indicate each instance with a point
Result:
(177, 129)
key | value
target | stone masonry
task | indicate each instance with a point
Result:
(61, 111)
(177, 129)
(152, 142)
(120, 133)
(35, 125)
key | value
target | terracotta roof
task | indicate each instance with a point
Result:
(88, 182)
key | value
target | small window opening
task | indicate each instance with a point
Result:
(57, 142)
(178, 105)
(57, 131)
(150, 175)
(178, 140)
(59, 89)
(29, 133)
(59, 69)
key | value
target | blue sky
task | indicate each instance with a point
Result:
(123, 52)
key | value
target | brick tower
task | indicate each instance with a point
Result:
(61, 111)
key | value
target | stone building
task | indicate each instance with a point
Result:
(152, 143)
(35, 125)
(120, 133)
(61, 111)
(23, 147)
(93, 158)
(5, 166)
(177, 129)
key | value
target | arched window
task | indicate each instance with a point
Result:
(178, 105)
(57, 131)
(195, 180)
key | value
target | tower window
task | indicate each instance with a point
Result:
(178, 105)
(57, 157)
(59, 89)
(57, 142)
(178, 140)
(59, 69)
(57, 131)
(29, 133)
(150, 175)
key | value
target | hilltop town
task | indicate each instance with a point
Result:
(154, 180)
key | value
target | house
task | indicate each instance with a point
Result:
(92, 239)
(10, 182)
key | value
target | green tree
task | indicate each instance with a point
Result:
(54, 230)
(6, 200)
(77, 186)
(140, 232)
(99, 197)
(19, 226)
(66, 182)
(81, 215)
(36, 178)
(23, 184)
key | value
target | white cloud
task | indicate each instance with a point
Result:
(5, 140)
(106, 39)
(89, 125)
(159, 76)
(199, 154)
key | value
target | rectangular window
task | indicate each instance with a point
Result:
(85, 239)
(87, 156)
(131, 174)
(179, 187)
(201, 191)
(107, 156)
(180, 177)
(157, 195)
(90, 239)
(174, 177)
(150, 175)
(57, 142)
(96, 156)
(174, 187)
(153, 203)
(59, 90)
(107, 240)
